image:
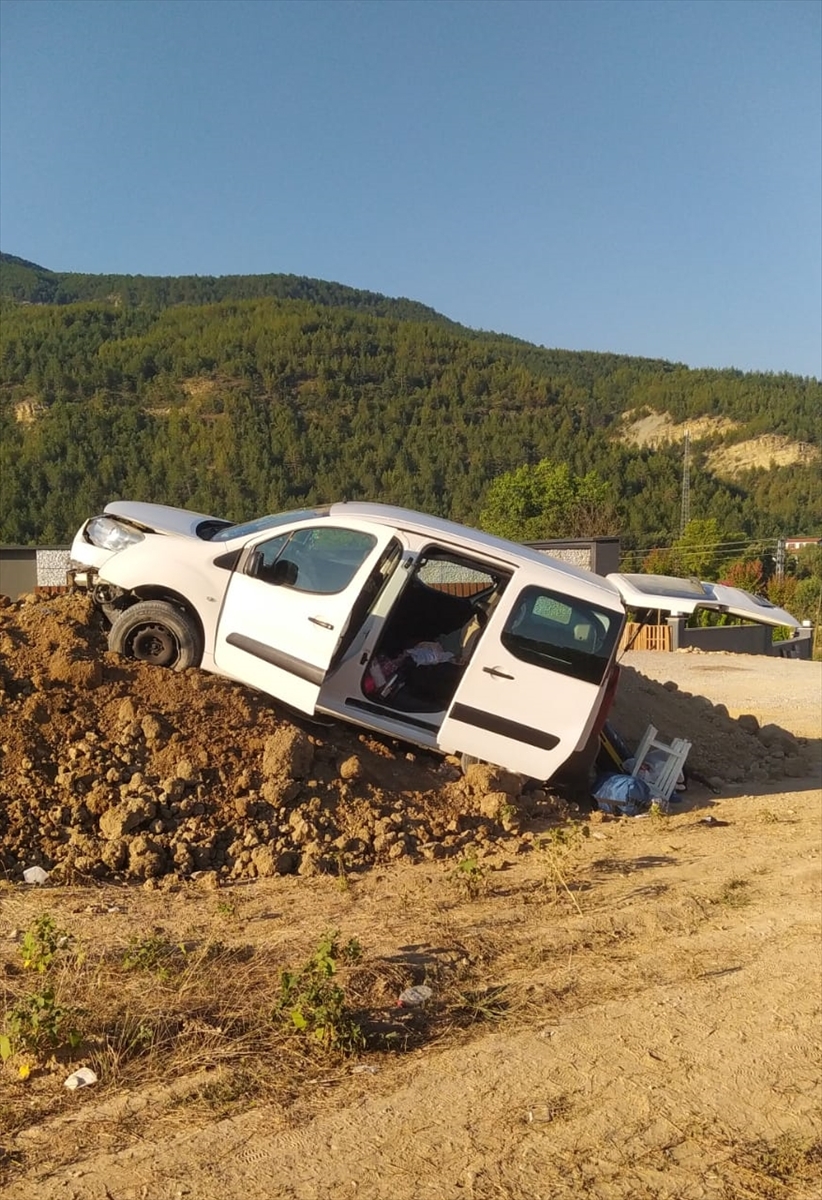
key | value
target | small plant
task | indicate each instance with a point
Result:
(226, 1090)
(42, 943)
(559, 845)
(342, 874)
(469, 875)
(313, 1003)
(507, 813)
(154, 953)
(734, 894)
(36, 1022)
(483, 1004)
(568, 836)
(133, 1038)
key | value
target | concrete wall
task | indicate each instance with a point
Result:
(600, 555)
(739, 639)
(23, 568)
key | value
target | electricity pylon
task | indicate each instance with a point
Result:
(685, 511)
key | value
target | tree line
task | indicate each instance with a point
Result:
(248, 405)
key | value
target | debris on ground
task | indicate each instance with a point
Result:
(414, 997)
(85, 1077)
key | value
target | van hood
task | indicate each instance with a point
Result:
(681, 597)
(162, 518)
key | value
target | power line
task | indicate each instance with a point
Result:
(722, 547)
(723, 552)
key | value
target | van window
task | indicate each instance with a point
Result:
(320, 559)
(562, 634)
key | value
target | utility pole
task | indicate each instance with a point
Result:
(685, 512)
(780, 558)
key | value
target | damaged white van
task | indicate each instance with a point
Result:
(405, 624)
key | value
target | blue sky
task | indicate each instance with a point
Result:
(644, 178)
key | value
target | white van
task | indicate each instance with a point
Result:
(396, 621)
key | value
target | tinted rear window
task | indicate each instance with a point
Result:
(562, 634)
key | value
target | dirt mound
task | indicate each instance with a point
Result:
(724, 749)
(113, 769)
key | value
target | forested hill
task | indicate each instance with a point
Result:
(27, 282)
(258, 401)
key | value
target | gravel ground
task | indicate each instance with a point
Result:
(735, 680)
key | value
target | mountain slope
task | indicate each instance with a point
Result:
(27, 282)
(246, 405)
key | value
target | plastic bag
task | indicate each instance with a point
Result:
(622, 795)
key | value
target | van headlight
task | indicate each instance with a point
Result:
(108, 534)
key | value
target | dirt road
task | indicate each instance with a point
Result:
(657, 1037)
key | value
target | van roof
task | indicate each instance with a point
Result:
(602, 590)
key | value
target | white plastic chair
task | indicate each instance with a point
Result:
(662, 778)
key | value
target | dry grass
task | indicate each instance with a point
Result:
(734, 894)
(156, 1010)
(178, 1003)
(201, 1018)
(785, 1168)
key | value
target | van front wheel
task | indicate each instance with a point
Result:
(158, 633)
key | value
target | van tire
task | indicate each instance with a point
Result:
(157, 633)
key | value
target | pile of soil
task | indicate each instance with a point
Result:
(111, 769)
(724, 749)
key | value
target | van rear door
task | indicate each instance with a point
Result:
(532, 690)
(667, 593)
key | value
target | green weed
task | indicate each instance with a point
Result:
(35, 1023)
(154, 953)
(313, 1003)
(42, 942)
(38, 1021)
(470, 877)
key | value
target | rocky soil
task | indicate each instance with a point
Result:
(628, 1015)
(113, 770)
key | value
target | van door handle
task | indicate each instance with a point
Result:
(495, 671)
(317, 621)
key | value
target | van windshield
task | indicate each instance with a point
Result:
(562, 634)
(260, 524)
